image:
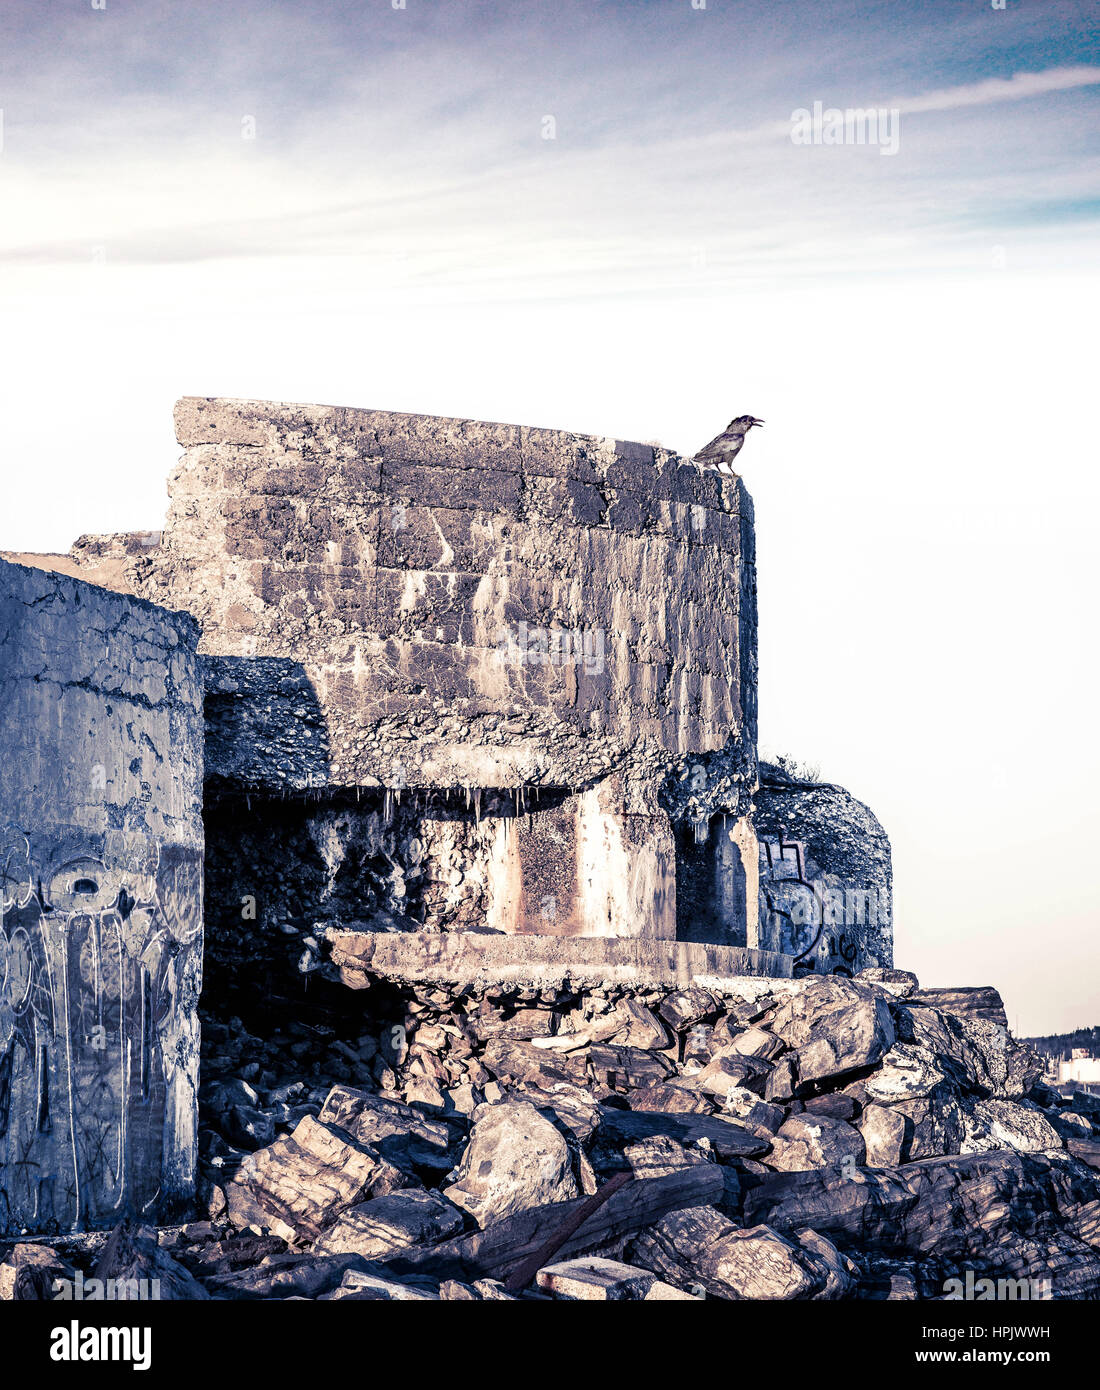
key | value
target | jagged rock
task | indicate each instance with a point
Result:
(980, 1001)
(754, 1007)
(889, 1135)
(687, 1007)
(658, 1155)
(515, 1159)
(519, 1061)
(402, 1134)
(521, 1025)
(618, 1128)
(1027, 1215)
(368, 1287)
(132, 1256)
(757, 1042)
(1088, 1105)
(480, 1291)
(755, 1114)
(1005, 1124)
(462, 1100)
(908, 1072)
(222, 1096)
(249, 1128)
(504, 1248)
(639, 1027)
(574, 1111)
(728, 1070)
(835, 1026)
(890, 1280)
(703, 1247)
(301, 1183)
(836, 1272)
(676, 1096)
(1070, 1125)
(423, 1091)
(222, 1257)
(1085, 1150)
(901, 983)
(294, 1274)
(781, 1082)
(979, 1055)
(31, 1273)
(910, 1131)
(835, 1104)
(812, 1141)
(379, 1227)
(624, 1068)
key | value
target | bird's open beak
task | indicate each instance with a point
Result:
(755, 421)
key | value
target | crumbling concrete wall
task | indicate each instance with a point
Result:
(826, 886)
(407, 603)
(100, 902)
(475, 604)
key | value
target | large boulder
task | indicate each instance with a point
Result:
(908, 1072)
(515, 1159)
(911, 1130)
(979, 1055)
(835, 1026)
(700, 1249)
(812, 1141)
(1005, 1124)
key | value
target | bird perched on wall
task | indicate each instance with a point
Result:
(721, 452)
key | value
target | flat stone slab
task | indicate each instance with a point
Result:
(540, 961)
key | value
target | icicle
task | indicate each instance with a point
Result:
(477, 805)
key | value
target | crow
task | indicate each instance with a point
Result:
(721, 452)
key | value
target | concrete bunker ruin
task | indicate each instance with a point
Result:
(477, 699)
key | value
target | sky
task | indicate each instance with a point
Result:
(602, 217)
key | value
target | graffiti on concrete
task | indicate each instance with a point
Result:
(811, 915)
(99, 948)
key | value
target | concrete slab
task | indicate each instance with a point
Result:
(541, 961)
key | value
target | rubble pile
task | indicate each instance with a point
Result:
(813, 1138)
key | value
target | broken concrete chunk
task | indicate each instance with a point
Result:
(594, 1279)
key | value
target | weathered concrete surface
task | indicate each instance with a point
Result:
(826, 884)
(100, 902)
(483, 605)
(406, 603)
(470, 958)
